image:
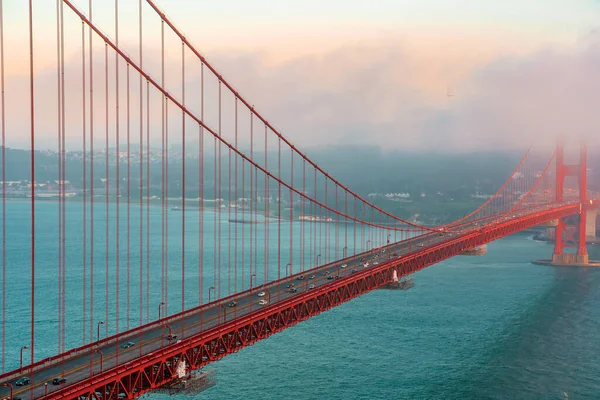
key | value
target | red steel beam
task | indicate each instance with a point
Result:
(156, 369)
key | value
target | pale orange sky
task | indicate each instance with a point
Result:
(414, 50)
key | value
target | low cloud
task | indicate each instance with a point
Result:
(376, 95)
(385, 94)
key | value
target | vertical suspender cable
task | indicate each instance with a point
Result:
(237, 202)
(266, 212)
(147, 201)
(141, 188)
(62, 186)
(128, 198)
(32, 139)
(59, 177)
(117, 178)
(201, 202)
(162, 173)
(106, 189)
(84, 162)
(183, 183)
(91, 335)
(218, 219)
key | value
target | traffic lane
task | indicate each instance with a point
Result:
(153, 341)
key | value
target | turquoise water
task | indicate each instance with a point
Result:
(493, 327)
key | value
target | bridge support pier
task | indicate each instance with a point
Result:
(571, 231)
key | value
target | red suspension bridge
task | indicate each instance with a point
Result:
(250, 236)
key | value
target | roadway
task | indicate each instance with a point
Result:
(107, 356)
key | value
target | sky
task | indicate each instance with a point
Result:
(375, 72)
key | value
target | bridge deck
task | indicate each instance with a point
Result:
(85, 362)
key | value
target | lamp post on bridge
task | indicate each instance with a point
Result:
(209, 289)
(317, 263)
(388, 238)
(101, 359)
(225, 312)
(98, 331)
(253, 275)
(368, 242)
(344, 251)
(289, 269)
(46, 389)
(162, 303)
(10, 386)
(21, 358)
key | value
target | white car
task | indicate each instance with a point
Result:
(366, 265)
(343, 266)
(263, 302)
(311, 286)
(261, 294)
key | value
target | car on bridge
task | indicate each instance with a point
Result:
(263, 302)
(293, 290)
(24, 381)
(232, 304)
(128, 345)
(59, 381)
(300, 278)
(171, 337)
(343, 266)
(290, 285)
(311, 286)
(261, 294)
(311, 277)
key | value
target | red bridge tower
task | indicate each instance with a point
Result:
(571, 230)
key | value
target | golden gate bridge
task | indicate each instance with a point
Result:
(306, 242)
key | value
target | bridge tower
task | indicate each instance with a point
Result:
(571, 230)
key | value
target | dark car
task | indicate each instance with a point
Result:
(300, 278)
(290, 285)
(330, 277)
(59, 381)
(23, 381)
(232, 304)
(171, 337)
(293, 290)
(128, 345)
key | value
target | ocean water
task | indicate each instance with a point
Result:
(492, 327)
